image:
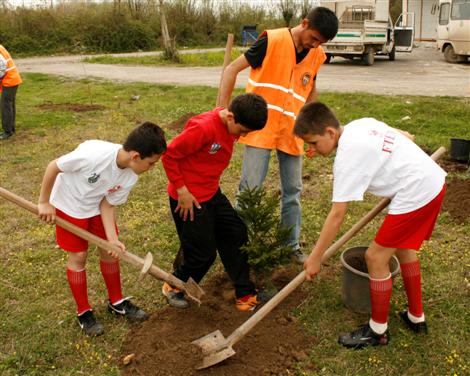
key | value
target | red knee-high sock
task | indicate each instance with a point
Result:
(380, 294)
(77, 283)
(411, 273)
(112, 279)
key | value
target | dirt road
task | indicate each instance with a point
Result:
(423, 72)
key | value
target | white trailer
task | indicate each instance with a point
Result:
(366, 30)
(453, 30)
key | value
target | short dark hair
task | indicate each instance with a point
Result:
(324, 21)
(249, 110)
(314, 118)
(147, 139)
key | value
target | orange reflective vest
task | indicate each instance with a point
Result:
(11, 77)
(285, 86)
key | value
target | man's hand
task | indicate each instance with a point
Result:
(312, 267)
(46, 212)
(186, 203)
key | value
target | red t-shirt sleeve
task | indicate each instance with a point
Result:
(191, 140)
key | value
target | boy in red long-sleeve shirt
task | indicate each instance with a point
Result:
(205, 220)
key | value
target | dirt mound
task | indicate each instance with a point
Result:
(75, 107)
(457, 199)
(179, 124)
(162, 344)
(452, 166)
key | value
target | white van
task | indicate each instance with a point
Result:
(453, 30)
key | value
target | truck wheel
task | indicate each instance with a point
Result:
(368, 57)
(391, 55)
(450, 55)
(328, 58)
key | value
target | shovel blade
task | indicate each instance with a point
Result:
(216, 357)
(211, 342)
(193, 290)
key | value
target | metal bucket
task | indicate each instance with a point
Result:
(355, 280)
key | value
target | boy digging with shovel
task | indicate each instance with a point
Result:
(83, 187)
(373, 157)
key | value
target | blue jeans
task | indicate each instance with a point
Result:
(254, 170)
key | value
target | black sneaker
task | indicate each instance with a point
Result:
(364, 336)
(129, 310)
(89, 324)
(5, 135)
(420, 327)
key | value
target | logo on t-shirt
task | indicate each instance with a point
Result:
(214, 148)
(114, 189)
(389, 141)
(306, 78)
(93, 178)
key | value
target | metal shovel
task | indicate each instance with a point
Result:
(216, 348)
(191, 288)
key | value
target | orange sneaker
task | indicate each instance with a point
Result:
(247, 303)
(174, 296)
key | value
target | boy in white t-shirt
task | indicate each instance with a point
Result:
(83, 187)
(373, 157)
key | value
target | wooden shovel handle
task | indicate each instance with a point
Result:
(101, 243)
(242, 330)
(227, 60)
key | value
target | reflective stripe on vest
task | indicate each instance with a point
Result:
(278, 87)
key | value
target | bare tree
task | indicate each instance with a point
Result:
(117, 6)
(288, 10)
(171, 53)
(135, 8)
(305, 8)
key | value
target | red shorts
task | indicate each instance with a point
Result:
(72, 243)
(409, 230)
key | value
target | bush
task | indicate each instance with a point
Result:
(102, 27)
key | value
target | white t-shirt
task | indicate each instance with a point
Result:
(373, 157)
(90, 172)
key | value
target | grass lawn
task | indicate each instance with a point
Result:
(37, 324)
(208, 59)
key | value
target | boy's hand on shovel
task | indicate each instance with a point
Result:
(46, 212)
(312, 267)
(117, 243)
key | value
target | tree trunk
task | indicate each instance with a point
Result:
(168, 44)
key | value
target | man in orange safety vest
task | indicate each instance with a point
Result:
(10, 79)
(283, 68)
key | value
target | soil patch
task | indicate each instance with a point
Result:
(162, 345)
(450, 165)
(457, 199)
(75, 107)
(179, 124)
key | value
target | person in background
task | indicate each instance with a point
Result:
(10, 79)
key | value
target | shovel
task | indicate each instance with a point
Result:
(216, 348)
(191, 288)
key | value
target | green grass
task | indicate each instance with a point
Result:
(38, 331)
(208, 59)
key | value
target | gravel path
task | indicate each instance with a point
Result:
(422, 72)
